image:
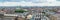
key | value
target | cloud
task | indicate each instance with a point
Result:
(48, 3)
(20, 4)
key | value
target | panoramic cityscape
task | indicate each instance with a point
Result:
(30, 13)
(29, 9)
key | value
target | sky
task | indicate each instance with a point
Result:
(29, 3)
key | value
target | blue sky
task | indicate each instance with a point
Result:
(17, 0)
(34, 1)
(2, 0)
(10, 0)
(29, 3)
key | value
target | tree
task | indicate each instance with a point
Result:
(20, 11)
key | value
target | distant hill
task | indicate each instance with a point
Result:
(29, 6)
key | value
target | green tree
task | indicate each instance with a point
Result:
(20, 11)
